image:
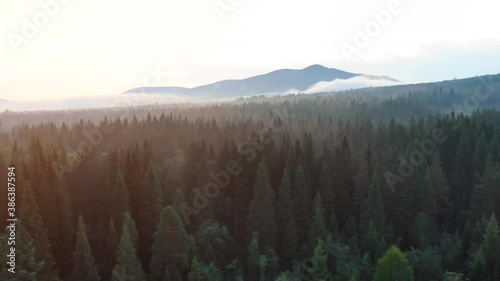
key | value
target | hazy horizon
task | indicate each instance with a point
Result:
(75, 49)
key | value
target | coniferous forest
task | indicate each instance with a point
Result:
(353, 186)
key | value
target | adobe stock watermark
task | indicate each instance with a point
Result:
(428, 146)
(416, 157)
(248, 149)
(48, 9)
(95, 136)
(222, 7)
(363, 36)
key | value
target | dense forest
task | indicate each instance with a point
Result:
(346, 187)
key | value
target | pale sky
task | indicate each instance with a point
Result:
(96, 47)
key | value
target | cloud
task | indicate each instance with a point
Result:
(362, 81)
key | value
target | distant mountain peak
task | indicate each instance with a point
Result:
(316, 66)
(276, 82)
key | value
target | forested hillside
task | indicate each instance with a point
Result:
(303, 187)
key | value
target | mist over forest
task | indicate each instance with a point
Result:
(382, 183)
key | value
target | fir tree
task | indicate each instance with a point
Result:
(128, 264)
(486, 195)
(119, 199)
(273, 264)
(461, 179)
(263, 264)
(284, 204)
(170, 248)
(480, 154)
(319, 270)
(326, 189)
(478, 269)
(261, 217)
(34, 224)
(196, 273)
(149, 212)
(110, 250)
(373, 242)
(373, 208)
(344, 180)
(318, 229)
(301, 195)
(486, 261)
(212, 273)
(361, 183)
(84, 267)
(289, 242)
(253, 258)
(129, 222)
(426, 264)
(423, 234)
(440, 206)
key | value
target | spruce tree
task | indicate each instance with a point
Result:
(426, 264)
(197, 270)
(289, 244)
(486, 194)
(119, 199)
(273, 264)
(212, 273)
(261, 217)
(423, 233)
(133, 178)
(53, 199)
(326, 189)
(373, 208)
(333, 225)
(373, 242)
(149, 212)
(319, 270)
(486, 260)
(361, 183)
(309, 164)
(440, 206)
(423, 197)
(302, 199)
(178, 199)
(478, 268)
(263, 264)
(35, 225)
(110, 250)
(461, 179)
(129, 222)
(84, 266)
(343, 181)
(284, 204)
(128, 266)
(253, 258)
(170, 250)
(480, 154)
(318, 229)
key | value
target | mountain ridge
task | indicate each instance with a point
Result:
(274, 82)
